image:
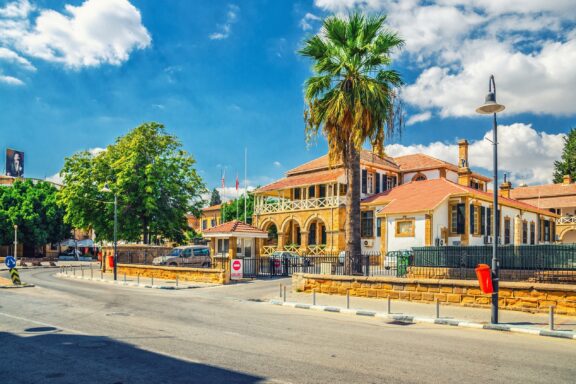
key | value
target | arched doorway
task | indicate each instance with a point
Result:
(292, 235)
(317, 238)
(569, 237)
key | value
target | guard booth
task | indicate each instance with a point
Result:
(235, 240)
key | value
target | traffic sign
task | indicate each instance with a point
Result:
(10, 262)
(237, 270)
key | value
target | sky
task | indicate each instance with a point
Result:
(225, 75)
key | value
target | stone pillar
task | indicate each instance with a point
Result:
(428, 230)
(383, 237)
(281, 241)
(304, 241)
(517, 230)
(232, 247)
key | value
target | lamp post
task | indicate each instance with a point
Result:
(15, 241)
(106, 189)
(490, 106)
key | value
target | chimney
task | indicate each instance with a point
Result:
(505, 188)
(567, 179)
(464, 173)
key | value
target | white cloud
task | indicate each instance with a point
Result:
(456, 44)
(277, 164)
(10, 80)
(11, 56)
(96, 151)
(524, 153)
(94, 33)
(225, 29)
(307, 20)
(419, 118)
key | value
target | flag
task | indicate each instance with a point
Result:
(237, 183)
(223, 182)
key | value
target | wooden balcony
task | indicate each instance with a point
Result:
(285, 205)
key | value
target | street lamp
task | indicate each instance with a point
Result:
(108, 190)
(15, 241)
(490, 106)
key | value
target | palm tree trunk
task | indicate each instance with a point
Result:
(353, 246)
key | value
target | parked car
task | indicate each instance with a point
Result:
(194, 256)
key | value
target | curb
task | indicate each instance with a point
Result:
(427, 320)
(133, 285)
(24, 285)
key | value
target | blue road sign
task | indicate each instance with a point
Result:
(10, 262)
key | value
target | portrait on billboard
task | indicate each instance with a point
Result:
(14, 163)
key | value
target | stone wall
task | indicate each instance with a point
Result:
(198, 275)
(520, 296)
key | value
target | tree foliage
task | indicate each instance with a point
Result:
(234, 209)
(153, 179)
(215, 198)
(567, 164)
(34, 208)
(351, 98)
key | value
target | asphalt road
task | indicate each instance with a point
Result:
(66, 331)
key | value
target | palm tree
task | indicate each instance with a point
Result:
(351, 99)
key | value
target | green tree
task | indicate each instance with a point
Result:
(234, 209)
(567, 164)
(215, 198)
(153, 178)
(351, 98)
(34, 208)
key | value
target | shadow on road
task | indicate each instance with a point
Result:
(54, 357)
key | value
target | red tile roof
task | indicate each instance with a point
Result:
(235, 226)
(302, 180)
(366, 157)
(212, 208)
(421, 162)
(419, 196)
(546, 190)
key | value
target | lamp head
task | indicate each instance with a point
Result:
(106, 189)
(490, 105)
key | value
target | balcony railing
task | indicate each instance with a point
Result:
(298, 205)
(566, 220)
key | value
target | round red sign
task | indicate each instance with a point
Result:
(236, 265)
(277, 263)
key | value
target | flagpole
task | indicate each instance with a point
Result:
(245, 182)
(237, 194)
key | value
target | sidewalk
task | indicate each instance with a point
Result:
(449, 314)
(96, 276)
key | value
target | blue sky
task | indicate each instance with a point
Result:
(224, 75)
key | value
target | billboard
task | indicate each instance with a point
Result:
(14, 163)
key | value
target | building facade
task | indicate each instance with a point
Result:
(305, 211)
(209, 218)
(557, 198)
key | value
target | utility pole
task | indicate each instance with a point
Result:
(16, 242)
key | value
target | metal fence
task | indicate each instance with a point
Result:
(538, 263)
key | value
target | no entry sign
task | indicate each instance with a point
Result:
(236, 270)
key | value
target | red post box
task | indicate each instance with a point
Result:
(111, 263)
(484, 275)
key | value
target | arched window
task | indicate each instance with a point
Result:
(419, 177)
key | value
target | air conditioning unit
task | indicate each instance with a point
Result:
(487, 239)
(368, 243)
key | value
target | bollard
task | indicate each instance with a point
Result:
(314, 297)
(91, 273)
(348, 298)
(176, 281)
(101, 275)
(284, 294)
(124, 278)
(152, 280)
(82, 271)
(389, 305)
(437, 308)
(551, 317)
(280, 290)
(73, 271)
(138, 279)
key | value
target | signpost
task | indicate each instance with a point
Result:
(236, 270)
(10, 262)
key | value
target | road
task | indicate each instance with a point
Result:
(68, 331)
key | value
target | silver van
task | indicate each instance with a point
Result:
(193, 256)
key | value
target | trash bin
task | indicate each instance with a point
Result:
(110, 261)
(484, 275)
